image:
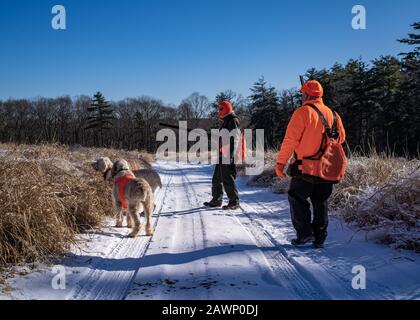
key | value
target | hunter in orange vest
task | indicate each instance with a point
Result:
(306, 138)
(224, 175)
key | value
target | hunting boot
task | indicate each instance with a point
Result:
(213, 204)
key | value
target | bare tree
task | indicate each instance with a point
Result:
(194, 108)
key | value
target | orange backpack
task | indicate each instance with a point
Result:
(329, 164)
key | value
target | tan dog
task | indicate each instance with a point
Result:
(132, 194)
(104, 165)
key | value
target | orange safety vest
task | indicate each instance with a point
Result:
(241, 151)
(121, 183)
(242, 154)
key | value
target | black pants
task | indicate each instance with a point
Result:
(224, 178)
(300, 191)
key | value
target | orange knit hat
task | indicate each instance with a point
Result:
(225, 107)
(312, 88)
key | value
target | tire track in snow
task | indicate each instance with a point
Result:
(336, 277)
(181, 199)
(110, 277)
(283, 270)
(191, 194)
(287, 273)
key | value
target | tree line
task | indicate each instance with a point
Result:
(378, 101)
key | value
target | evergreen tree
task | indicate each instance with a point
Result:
(410, 93)
(289, 100)
(356, 104)
(413, 40)
(101, 117)
(266, 112)
(386, 79)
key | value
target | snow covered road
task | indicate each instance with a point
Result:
(200, 253)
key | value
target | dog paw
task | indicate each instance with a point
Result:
(119, 225)
(149, 232)
(133, 234)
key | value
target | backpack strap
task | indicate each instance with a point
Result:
(332, 132)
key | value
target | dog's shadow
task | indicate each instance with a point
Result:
(154, 260)
(120, 233)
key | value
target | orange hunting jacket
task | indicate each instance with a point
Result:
(304, 133)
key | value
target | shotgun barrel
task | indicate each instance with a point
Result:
(172, 126)
(178, 128)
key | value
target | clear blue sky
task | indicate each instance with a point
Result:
(171, 48)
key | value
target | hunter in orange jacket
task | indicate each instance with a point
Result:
(304, 136)
(305, 130)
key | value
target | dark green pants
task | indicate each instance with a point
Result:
(224, 178)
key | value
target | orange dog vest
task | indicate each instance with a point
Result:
(121, 183)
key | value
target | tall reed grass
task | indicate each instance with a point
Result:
(48, 194)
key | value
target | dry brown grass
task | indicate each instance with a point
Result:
(48, 194)
(379, 192)
(382, 193)
(268, 177)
